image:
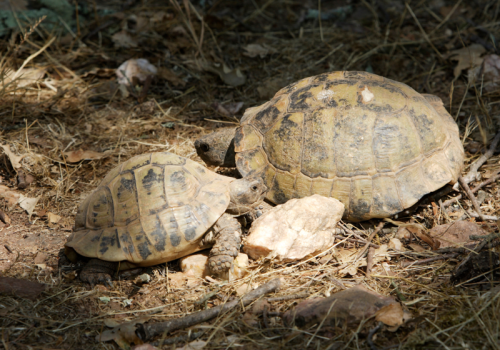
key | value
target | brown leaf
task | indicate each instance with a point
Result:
(5, 218)
(416, 247)
(14, 159)
(124, 334)
(11, 196)
(455, 234)
(28, 203)
(53, 218)
(467, 57)
(434, 244)
(76, 156)
(21, 288)
(391, 315)
(347, 307)
(136, 69)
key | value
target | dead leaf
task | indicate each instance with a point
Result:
(11, 196)
(123, 334)
(424, 237)
(76, 156)
(5, 218)
(124, 39)
(416, 247)
(233, 77)
(254, 50)
(14, 159)
(403, 233)
(391, 315)
(53, 218)
(136, 69)
(21, 288)
(467, 57)
(347, 307)
(396, 244)
(455, 234)
(28, 203)
(167, 74)
(26, 77)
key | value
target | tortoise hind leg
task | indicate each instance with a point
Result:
(98, 271)
(226, 247)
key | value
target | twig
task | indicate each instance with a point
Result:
(179, 339)
(492, 179)
(369, 239)
(289, 297)
(371, 334)
(425, 261)
(471, 197)
(484, 217)
(487, 239)
(369, 261)
(354, 240)
(26, 61)
(148, 331)
(472, 174)
(426, 37)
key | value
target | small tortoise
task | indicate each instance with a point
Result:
(156, 208)
(373, 143)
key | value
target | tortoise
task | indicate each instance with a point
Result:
(158, 207)
(375, 144)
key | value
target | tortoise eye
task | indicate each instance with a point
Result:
(204, 147)
(254, 188)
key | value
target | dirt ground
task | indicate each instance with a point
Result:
(65, 122)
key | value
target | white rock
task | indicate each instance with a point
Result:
(196, 265)
(296, 230)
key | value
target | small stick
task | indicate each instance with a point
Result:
(369, 239)
(289, 297)
(476, 215)
(425, 261)
(492, 179)
(371, 334)
(471, 175)
(354, 240)
(148, 331)
(369, 261)
(471, 197)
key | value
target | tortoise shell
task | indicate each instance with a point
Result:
(373, 143)
(151, 209)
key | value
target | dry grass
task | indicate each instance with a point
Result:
(71, 109)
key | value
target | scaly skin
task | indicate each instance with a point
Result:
(98, 271)
(227, 245)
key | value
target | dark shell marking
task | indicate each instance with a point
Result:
(373, 143)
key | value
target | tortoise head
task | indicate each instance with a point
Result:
(217, 148)
(246, 194)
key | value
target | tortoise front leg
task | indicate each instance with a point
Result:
(98, 271)
(226, 247)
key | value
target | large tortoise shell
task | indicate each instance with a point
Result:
(151, 209)
(373, 143)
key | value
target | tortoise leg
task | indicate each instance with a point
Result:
(98, 271)
(226, 247)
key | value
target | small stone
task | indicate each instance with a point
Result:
(196, 265)
(299, 229)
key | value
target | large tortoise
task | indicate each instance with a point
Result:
(156, 208)
(375, 144)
